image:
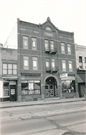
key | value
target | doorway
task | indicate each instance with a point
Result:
(51, 88)
(12, 92)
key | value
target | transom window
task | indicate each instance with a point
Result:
(26, 62)
(62, 48)
(69, 48)
(63, 65)
(70, 66)
(10, 69)
(34, 44)
(25, 42)
(35, 63)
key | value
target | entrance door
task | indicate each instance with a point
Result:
(12, 92)
(49, 90)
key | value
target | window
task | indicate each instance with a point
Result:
(62, 48)
(85, 59)
(80, 67)
(35, 63)
(52, 45)
(53, 63)
(6, 88)
(4, 68)
(14, 69)
(30, 87)
(25, 42)
(46, 44)
(10, 69)
(48, 28)
(70, 66)
(47, 63)
(80, 59)
(34, 44)
(26, 62)
(63, 65)
(68, 86)
(69, 48)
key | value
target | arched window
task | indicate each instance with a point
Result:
(48, 28)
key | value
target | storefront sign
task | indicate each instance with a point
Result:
(68, 78)
(63, 75)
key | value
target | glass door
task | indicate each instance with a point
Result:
(46, 90)
(51, 90)
(12, 92)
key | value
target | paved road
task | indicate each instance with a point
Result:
(44, 120)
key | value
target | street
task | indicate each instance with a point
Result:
(44, 119)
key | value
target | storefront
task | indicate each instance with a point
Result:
(68, 86)
(9, 89)
(30, 88)
(81, 79)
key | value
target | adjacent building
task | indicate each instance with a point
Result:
(81, 69)
(44, 62)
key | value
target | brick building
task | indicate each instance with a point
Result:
(46, 61)
(81, 69)
(8, 74)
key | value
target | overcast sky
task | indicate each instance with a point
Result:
(68, 15)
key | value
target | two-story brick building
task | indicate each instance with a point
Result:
(46, 61)
(8, 74)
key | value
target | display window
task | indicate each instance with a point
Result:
(68, 86)
(6, 88)
(29, 88)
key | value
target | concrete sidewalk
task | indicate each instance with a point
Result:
(9, 104)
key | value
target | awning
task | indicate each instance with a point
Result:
(79, 80)
(10, 78)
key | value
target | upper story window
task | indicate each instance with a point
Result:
(34, 44)
(69, 48)
(35, 63)
(53, 63)
(70, 66)
(4, 68)
(62, 48)
(63, 65)
(14, 69)
(80, 59)
(52, 45)
(26, 62)
(10, 69)
(85, 59)
(46, 44)
(47, 63)
(25, 42)
(48, 28)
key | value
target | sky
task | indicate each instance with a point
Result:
(67, 15)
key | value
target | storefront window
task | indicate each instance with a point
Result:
(68, 86)
(6, 88)
(29, 88)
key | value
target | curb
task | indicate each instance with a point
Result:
(40, 104)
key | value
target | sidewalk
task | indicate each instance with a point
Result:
(9, 104)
